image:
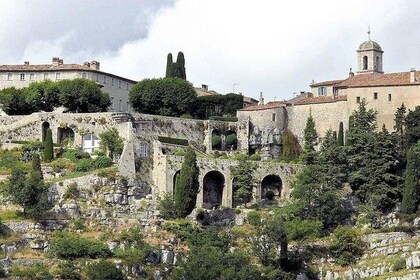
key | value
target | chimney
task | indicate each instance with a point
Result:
(55, 61)
(261, 99)
(413, 78)
(351, 74)
(205, 87)
(26, 63)
(86, 64)
(95, 65)
(60, 62)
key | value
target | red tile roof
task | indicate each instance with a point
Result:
(269, 105)
(320, 99)
(327, 83)
(376, 79)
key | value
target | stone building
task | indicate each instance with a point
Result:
(20, 76)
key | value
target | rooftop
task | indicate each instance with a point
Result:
(320, 99)
(326, 83)
(269, 105)
(377, 79)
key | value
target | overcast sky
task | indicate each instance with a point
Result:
(270, 46)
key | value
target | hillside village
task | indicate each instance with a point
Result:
(160, 180)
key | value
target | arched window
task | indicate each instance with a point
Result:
(365, 62)
(377, 63)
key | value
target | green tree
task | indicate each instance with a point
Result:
(400, 119)
(291, 147)
(13, 102)
(187, 186)
(169, 61)
(83, 96)
(111, 141)
(104, 270)
(341, 135)
(346, 246)
(44, 96)
(412, 126)
(411, 194)
(167, 97)
(243, 182)
(180, 62)
(311, 141)
(48, 146)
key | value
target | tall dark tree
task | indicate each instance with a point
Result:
(180, 61)
(187, 186)
(412, 126)
(243, 182)
(291, 147)
(169, 61)
(340, 139)
(400, 119)
(411, 193)
(48, 146)
(311, 141)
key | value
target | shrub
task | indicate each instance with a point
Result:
(180, 153)
(34, 272)
(269, 195)
(175, 141)
(72, 246)
(254, 218)
(216, 141)
(68, 271)
(298, 229)
(104, 270)
(102, 162)
(346, 246)
(61, 164)
(186, 116)
(72, 191)
(85, 164)
(231, 140)
(166, 206)
(255, 157)
(75, 155)
(111, 141)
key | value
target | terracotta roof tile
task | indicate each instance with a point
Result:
(320, 99)
(327, 83)
(269, 105)
(376, 79)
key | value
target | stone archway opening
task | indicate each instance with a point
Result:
(216, 140)
(174, 179)
(213, 185)
(65, 135)
(231, 140)
(271, 187)
(44, 127)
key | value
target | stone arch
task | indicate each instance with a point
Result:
(64, 133)
(90, 143)
(272, 183)
(228, 144)
(213, 187)
(365, 62)
(174, 179)
(377, 63)
(216, 133)
(44, 127)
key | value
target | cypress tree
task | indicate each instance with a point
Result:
(340, 140)
(48, 146)
(169, 62)
(400, 119)
(311, 140)
(291, 147)
(186, 186)
(180, 61)
(411, 190)
(36, 163)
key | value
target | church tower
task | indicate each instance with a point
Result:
(369, 57)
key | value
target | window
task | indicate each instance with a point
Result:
(57, 76)
(119, 84)
(112, 81)
(358, 99)
(22, 76)
(322, 91)
(32, 76)
(104, 79)
(45, 76)
(274, 117)
(144, 150)
(365, 62)
(84, 75)
(127, 86)
(389, 97)
(375, 95)
(90, 143)
(10, 77)
(97, 77)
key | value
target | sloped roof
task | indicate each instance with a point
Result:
(369, 45)
(320, 99)
(269, 105)
(326, 83)
(377, 79)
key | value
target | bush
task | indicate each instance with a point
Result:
(102, 162)
(61, 164)
(174, 141)
(85, 164)
(298, 229)
(346, 246)
(255, 157)
(231, 140)
(269, 195)
(72, 191)
(253, 218)
(75, 155)
(72, 246)
(216, 142)
(186, 116)
(111, 141)
(104, 270)
(34, 272)
(68, 271)
(180, 153)
(166, 206)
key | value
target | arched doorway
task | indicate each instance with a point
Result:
(365, 62)
(231, 140)
(44, 127)
(213, 185)
(174, 179)
(216, 140)
(271, 187)
(65, 135)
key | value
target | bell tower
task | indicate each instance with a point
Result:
(369, 57)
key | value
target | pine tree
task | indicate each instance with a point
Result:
(311, 140)
(48, 146)
(169, 61)
(36, 163)
(180, 61)
(291, 147)
(187, 186)
(400, 119)
(243, 182)
(411, 193)
(340, 139)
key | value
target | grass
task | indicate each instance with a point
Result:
(11, 216)
(71, 175)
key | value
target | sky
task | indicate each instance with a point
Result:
(269, 46)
